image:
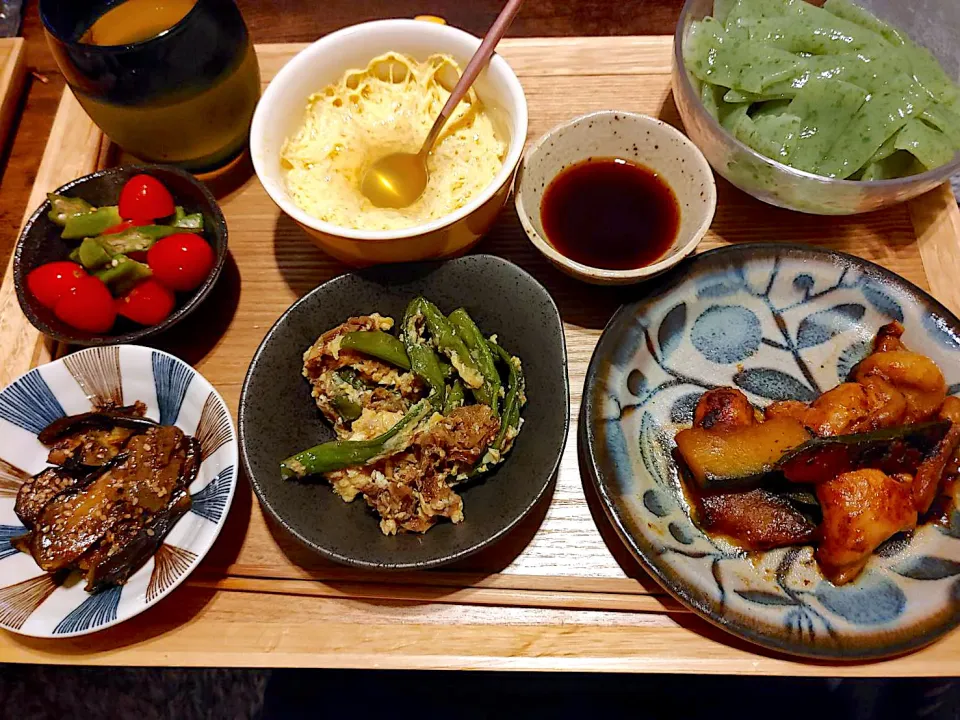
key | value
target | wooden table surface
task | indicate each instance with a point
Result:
(274, 21)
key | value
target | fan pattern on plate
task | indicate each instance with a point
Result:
(97, 372)
(211, 501)
(18, 601)
(214, 428)
(94, 611)
(171, 378)
(11, 478)
(170, 563)
(29, 403)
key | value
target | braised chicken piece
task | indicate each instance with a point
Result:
(754, 520)
(793, 409)
(915, 376)
(411, 489)
(345, 382)
(861, 509)
(723, 408)
(888, 338)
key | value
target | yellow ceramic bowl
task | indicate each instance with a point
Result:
(280, 114)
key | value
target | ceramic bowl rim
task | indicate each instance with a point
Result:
(589, 272)
(675, 584)
(422, 564)
(233, 441)
(356, 34)
(199, 295)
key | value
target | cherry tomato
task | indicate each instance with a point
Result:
(182, 261)
(49, 282)
(149, 303)
(87, 306)
(145, 198)
(118, 228)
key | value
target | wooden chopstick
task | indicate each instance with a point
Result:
(464, 596)
(502, 581)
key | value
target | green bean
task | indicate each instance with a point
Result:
(456, 396)
(466, 328)
(378, 344)
(337, 455)
(424, 361)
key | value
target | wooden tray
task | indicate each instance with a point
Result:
(13, 72)
(560, 592)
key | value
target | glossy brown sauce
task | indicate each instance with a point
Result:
(610, 213)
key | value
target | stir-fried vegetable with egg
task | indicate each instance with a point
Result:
(414, 413)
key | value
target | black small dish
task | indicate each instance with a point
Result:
(40, 243)
(278, 416)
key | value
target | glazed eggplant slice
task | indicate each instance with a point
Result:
(739, 457)
(893, 450)
(42, 488)
(93, 438)
(754, 520)
(154, 468)
(861, 509)
(123, 552)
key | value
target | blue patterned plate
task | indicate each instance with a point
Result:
(780, 323)
(174, 393)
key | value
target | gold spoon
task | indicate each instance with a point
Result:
(397, 180)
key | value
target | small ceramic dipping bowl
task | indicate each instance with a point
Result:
(629, 136)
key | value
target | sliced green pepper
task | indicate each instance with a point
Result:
(192, 222)
(63, 208)
(123, 273)
(378, 344)
(469, 333)
(135, 239)
(92, 254)
(456, 397)
(446, 340)
(424, 361)
(347, 408)
(513, 401)
(337, 455)
(91, 224)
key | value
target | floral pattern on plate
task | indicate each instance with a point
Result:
(779, 323)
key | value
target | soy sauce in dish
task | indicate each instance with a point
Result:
(610, 213)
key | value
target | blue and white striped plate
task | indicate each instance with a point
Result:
(174, 393)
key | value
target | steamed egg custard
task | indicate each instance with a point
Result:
(389, 107)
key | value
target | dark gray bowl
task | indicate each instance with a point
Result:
(278, 417)
(40, 243)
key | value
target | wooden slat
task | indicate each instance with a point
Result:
(560, 592)
(13, 73)
(197, 627)
(72, 151)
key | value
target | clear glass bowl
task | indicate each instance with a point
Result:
(932, 23)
